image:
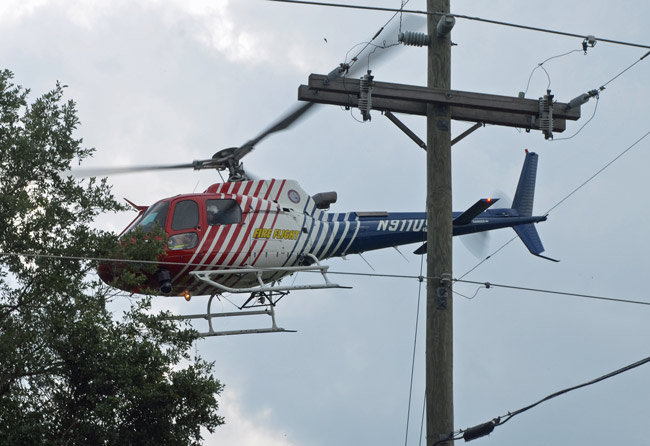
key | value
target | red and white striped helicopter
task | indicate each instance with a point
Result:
(243, 236)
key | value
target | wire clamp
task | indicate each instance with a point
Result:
(589, 42)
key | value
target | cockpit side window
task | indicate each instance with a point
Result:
(223, 212)
(186, 215)
(156, 214)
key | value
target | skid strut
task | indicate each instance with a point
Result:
(210, 275)
(264, 295)
(269, 311)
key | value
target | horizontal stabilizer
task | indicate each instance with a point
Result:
(470, 214)
(528, 234)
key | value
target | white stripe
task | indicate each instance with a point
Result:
(198, 249)
(345, 232)
(332, 237)
(322, 238)
(352, 239)
(243, 234)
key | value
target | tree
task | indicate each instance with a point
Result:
(70, 373)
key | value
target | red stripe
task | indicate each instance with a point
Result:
(266, 196)
(251, 226)
(245, 203)
(266, 213)
(259, 188)
(235, 234)
(246, 238)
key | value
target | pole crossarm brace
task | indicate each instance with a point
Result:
(464, 106)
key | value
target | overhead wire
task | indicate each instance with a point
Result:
(583, 125)
(619, 74)
(596, 93)
(466, 17)
(486, 428)
(415, 341)
(561, 139)
(488, 285)
(419, 278)
(588, 180)
(584, 183)
(541, 65)
(355, 59)
(502, 420)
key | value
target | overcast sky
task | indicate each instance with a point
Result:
(173, 81)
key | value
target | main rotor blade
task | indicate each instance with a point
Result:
(372, 51)
(287, 120)
(105, 171)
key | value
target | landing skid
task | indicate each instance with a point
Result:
(264, 295)
(267, 301)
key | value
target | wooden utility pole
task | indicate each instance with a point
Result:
(440, 104)
(439, 393)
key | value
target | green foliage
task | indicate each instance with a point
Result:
(138, 244)
(70, 373)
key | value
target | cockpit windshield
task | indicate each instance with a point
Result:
(156, 214)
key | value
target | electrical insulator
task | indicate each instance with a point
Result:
(337, 73)
(546, 115)
(365, 95)
(413, 39)
(445, 25)
(582, 99)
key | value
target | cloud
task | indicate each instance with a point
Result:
(245, 428)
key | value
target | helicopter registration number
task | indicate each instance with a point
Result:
(278, 234)
(408, 225)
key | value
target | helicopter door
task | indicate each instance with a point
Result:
(227, 226)
(274, 238)
(184, 228)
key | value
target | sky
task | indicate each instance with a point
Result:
(172, 81)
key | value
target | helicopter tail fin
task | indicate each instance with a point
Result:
(525, 194)
(523, 204)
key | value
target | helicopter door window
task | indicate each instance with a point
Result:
(186, 215)
(223, 212)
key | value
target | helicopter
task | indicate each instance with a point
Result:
(243, 236)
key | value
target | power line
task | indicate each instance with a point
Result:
(565, 198)
(619, 74)
(596, 93)
(488, 285)
(415, 341)
(486, 428)
(419, 278)
(466, 17)
(616, 158)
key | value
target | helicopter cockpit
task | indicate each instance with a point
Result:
(186, 218)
